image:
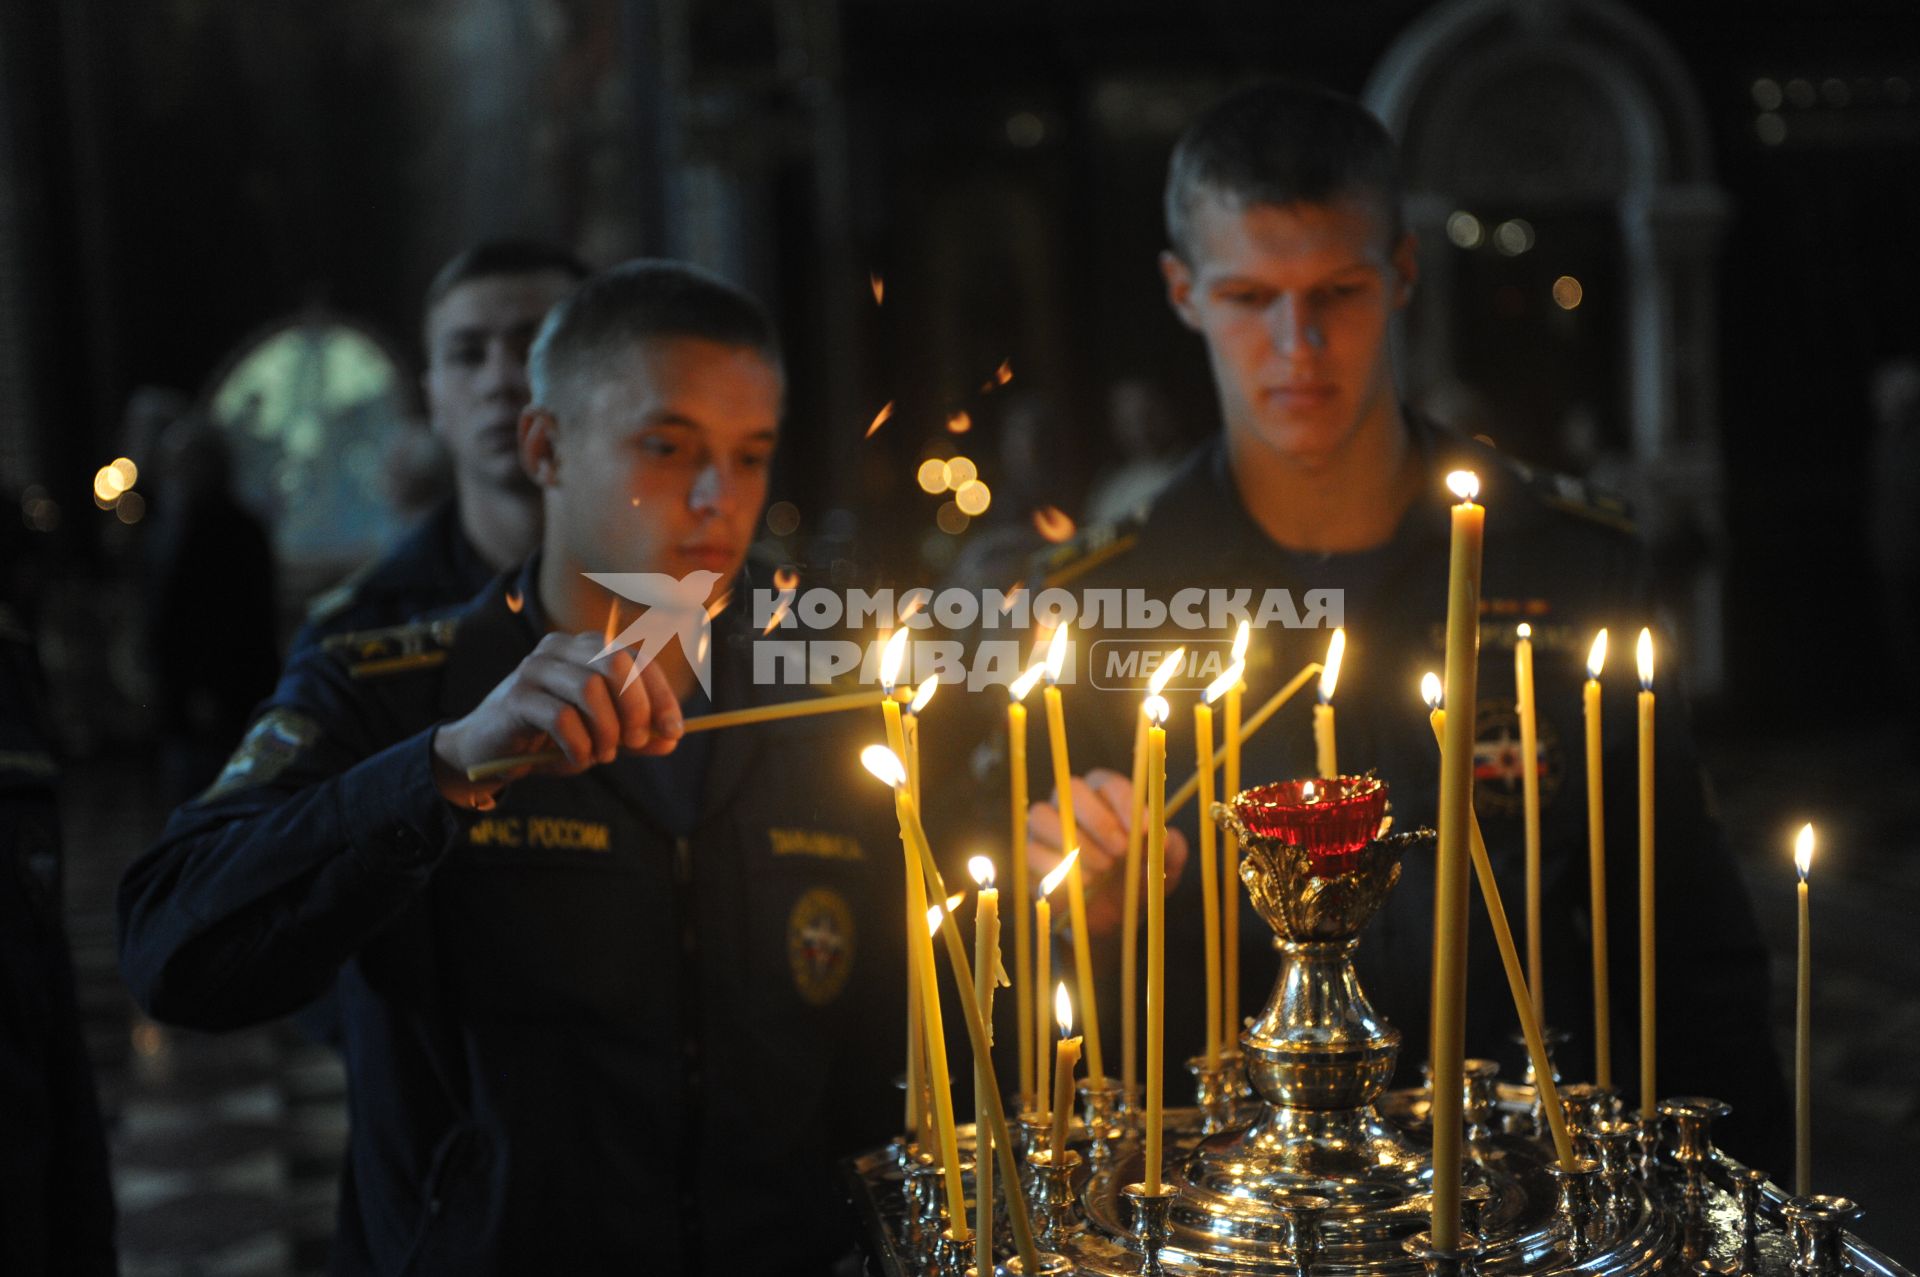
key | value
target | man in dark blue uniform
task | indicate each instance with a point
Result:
(482, 311)
(1288, 258)
(609, 1013)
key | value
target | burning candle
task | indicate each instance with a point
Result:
(1258, 719)
(986, 969)
(1230, 848)
(1069, 838)
(887, 767)
(1803, 1026)
(1456, 811)
(891, 657)
(1066, 1057)
(1523, 1003)
(922, 694)
(1209, 889)
(1156, 710)
(1644, 657)
(1326, 757)
(938, 1076)
(1530, 804)
(1597, 866)
(1022, 924)
(1043, 966)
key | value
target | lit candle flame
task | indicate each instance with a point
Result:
(1242, 639)
(880, 419)
(1001, 376)
(1019, 688)
(937, 915)
(1308, 792)
(1053, 525)
(1803, 850)
(1597, 655)
(1168, 668)
(1430, 690)
(1330, 670)
(1059, 874)
(884, 764)
(879, 287)
(981, 869)
(916, 601)
(924, 693)
(958, 423)
(785, 579)
(1156, 709)
(1057, 653)
(1523, 630)
(1643, 656)
(1465, 484)
(1062, 1008)
(514, 601)
(1229, 678)
(890, 658)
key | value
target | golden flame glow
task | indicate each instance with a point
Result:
(1057, 653)
(880, 419)
(785, 578)
(1643, 657)
(884, 764)
(1156, 709)
(1059, 874)
(1430, 689)
(1330, 671)
(1019, 688)
(128, 472)
(1169, 666)
(981, 869)
(1242, 639)
(515, 602)
(879, 287)
(932, 476)
(1597, 654)
(779, 615)
(1308, 792)
(958, 423)
(1001, 376)
(924, 693)
(1464, 484)
(1052, 524)
(107, 486)
(1803, 850)
(719, 605)
(935, 916)
(973, 498)
(1062, 1008)
(1229, 677)
(890, 657)
(1523, 630)
(613, 620)
(960, 472)
(916, 601)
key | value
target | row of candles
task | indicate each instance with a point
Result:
(1461, 845)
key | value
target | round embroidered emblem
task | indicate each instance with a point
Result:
(820, 945)
(1498, 765)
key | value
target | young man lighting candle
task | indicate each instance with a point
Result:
(1288, 257)
(561, 988)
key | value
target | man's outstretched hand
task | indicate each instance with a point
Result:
(1102, 807)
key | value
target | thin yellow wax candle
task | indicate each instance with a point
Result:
(1326, 756)
(1043, 966)
(1456, 810)
(1530, 805)
(1022, 924)
(916, 1112)
(938, 1077)
(1597, 867)
(887, 767)
(1230, 848)
(1066, 1057)
(922, 694)
(1209, 887)
(1184, 795)
(1649, 1096)
(1130, 918)
(986, 967)
(1523, 1003)
(1803, 1026)
(1156, 710)
(1070, 837)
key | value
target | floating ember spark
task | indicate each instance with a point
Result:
(916, 602)
(1001, 376)
(880, 419)
(879, 287)
(515, 602)
(1053, 525)
(959, 423)
(786, 579)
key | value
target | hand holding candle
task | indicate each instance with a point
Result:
(1065, 1059)
(1326, 756)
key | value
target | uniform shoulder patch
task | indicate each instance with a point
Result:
(1087, 550)
(395, 649)
(820, 943)
(270, 746)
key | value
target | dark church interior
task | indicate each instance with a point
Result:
(1667, 250)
